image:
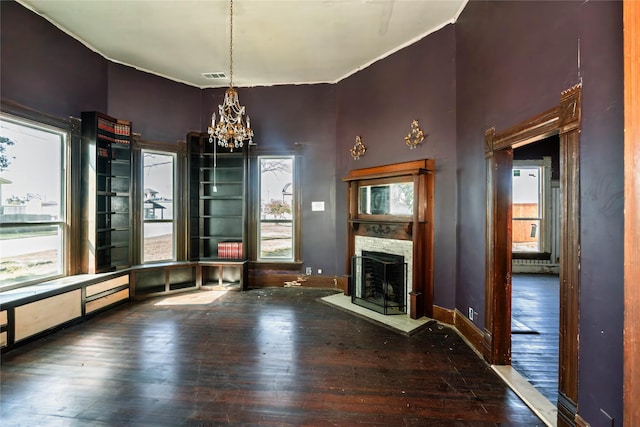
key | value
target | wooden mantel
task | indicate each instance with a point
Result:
(417, 228)
(397, 169)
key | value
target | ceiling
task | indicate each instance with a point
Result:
(274, 41)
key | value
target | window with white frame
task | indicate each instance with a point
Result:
(276, 230)
(33, 211)
(531, 206)
(158, 212)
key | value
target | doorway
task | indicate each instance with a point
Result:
(535, 280)
(563, 121)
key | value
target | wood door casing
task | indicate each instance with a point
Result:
(631, 13)
(497, 344)
(563, 120)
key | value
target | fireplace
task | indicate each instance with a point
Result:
(390, 211)
(380, 282)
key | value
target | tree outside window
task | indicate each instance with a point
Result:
(276, 237)
(32, 202)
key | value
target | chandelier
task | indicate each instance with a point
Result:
(230, 131)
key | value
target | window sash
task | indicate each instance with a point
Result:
(158, 224)
(276, 234)
(38, 209)
(531, 230)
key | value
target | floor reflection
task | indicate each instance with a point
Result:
(275, 338)
(192, 298)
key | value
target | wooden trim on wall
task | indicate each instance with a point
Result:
(539, 127)
(279, 279)
(462, 324)
(569, 126)
(443, 315)
(565, 121)
(631, 25)
(396, 169)
(497, 343)
(71, 125)
(471, 332)
(580, 422)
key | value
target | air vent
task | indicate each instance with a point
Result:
(215, 76)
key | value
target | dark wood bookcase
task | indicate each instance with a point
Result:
(217, 210)
(106, 182)
(162, 278)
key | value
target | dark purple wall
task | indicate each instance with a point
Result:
(379, 103)
(160, 109)
(44, 69)
(513, 61)
(282, 116)
(501, 63)
(602, 216)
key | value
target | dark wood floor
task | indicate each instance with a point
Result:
(270, 357)
(534, 346)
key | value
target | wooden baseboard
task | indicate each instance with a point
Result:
(469, 330)
(581, 422)
(279, 280)
(465, 327)
(320, 282)
(443, 315)
(568, 412)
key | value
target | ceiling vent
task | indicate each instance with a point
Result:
(215, 76)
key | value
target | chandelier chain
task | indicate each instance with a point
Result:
(231, 44)
(231, 130)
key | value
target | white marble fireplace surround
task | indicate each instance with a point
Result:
(403, 248)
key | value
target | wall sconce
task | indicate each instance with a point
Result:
(358, 149)
(416, 136)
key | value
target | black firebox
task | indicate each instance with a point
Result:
(379, 282)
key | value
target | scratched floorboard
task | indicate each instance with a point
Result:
(535, 303)
(269, 357)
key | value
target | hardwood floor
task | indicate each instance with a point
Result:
(534, 341)
(267, 357)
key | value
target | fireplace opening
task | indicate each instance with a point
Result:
(380, 282)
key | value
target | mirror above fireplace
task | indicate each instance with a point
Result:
(386, 198)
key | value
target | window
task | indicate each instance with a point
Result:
(276, 238)
(531, 182)
(158, 208)
(33, 182)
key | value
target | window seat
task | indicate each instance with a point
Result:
(42, 290)
(31, 311)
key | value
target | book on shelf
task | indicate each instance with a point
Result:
(118, 132)
(230, 250)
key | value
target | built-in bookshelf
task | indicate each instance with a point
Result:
(217, 202)
(106, 180)
(163, 278)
